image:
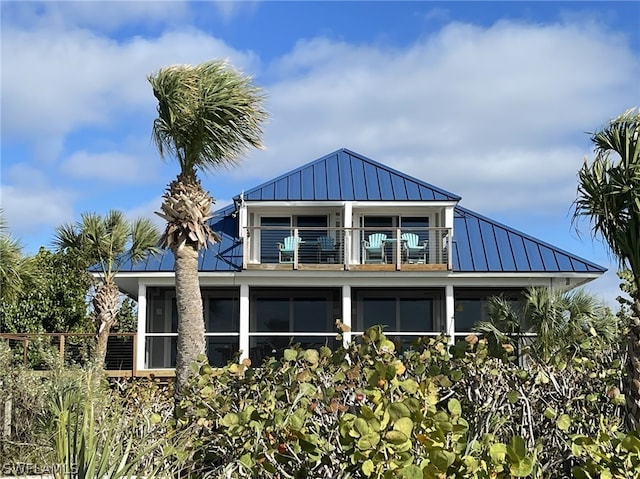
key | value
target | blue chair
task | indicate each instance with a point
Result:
(415, 251)
(374, 248)
(326, 248)
(287, 248)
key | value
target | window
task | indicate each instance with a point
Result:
(405, 314)
(280, 318)
(221, 318)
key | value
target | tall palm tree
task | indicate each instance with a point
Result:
(609, 195)
(107, 242)
(209, 115)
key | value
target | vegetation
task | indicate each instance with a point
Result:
(363, 412)
(107, 242)
(67, 423)
(208, 117)
(53, 302)
(609, 195)
(563, 322)
(434, 411)
(16, 270)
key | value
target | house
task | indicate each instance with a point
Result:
(343, 237)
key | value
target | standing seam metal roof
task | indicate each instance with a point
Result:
(346, 176)
(479, 244)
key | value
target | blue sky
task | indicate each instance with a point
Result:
(488, 100)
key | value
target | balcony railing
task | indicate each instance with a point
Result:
(277, 247)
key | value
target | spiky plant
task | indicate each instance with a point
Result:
(609, 195)
(107, 242)
(209, 115)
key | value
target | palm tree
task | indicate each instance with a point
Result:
(609, 195)
(564, 323)
(107, 242)
(16, 270)
(209, 115)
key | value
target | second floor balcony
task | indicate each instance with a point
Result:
(373, 249)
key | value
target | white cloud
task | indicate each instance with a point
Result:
(147, 210)
(110, 166)
(231, 9)
(32, 209)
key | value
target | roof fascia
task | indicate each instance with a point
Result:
(380, 204)
(355, 204)
(289, 204)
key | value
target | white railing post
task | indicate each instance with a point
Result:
(398, 249)
(449, 249)
(245, 246)
(296, 246)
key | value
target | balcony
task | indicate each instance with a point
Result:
(368, 249)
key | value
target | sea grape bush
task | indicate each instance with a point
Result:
(369, 412)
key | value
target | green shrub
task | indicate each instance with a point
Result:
(615, 456)
(359, 412)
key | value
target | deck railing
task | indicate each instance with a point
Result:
(348, 248)
(41, 351)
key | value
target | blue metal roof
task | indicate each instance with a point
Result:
(484, 245)
(479, 244)
(346, 176)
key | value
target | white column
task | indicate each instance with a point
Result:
(346, 313)
(142, 327)
(243, 233)
(449, 307)
(244, 321)
(448, 223)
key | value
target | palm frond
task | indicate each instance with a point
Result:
(108, 240)
(208, 115)
(609, 189)
(17, 271)
(145, 238)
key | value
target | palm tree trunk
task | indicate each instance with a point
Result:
(633, 368)
(106, 305)
(191, 340)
